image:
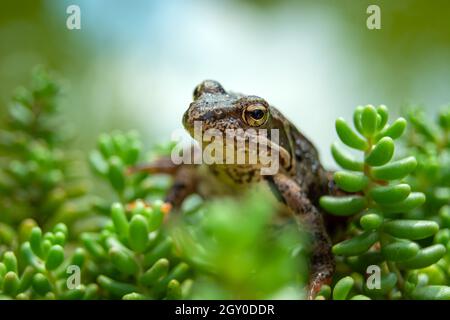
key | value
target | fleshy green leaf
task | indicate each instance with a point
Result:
(390, 194)
(394, 131)
(116, 173)
(120, 220)
(350, 182)
(431, 293)
(345, 160)
(343, 206)
(371, 221)
(400, 250)
(414, 200)
(342, 288)
(411, 229)
(424, 258)
(115, 288)
(381, 153)
(395, 170)
(138, 233)
(348, 136)
(156, 272)
(356, 245)
(123, 261)
(55, 257)
(383, 111)
(369, 121)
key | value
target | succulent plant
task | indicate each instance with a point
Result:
(381, 233)
(60, 240)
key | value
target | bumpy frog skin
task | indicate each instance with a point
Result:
(298, 184)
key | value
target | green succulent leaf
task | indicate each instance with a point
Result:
(411, 229)
(115, 288)
(342, 288)
(345, 160)
(381, 153)
(41, 284)
(369, 121)
(390, 194)
(55, 257)
(383, 112)
(155, 273)
(10, 261)
(395, 170)
(356, 245)
(173, 290)
(425, 257)
(371, 221)
(444, 214)
(431, 293)
(414, 200)
(116, 173)
(394, 131)
(343, 206)
(123, 261)
(357, 119)
(360, 297)
(120, 220)
(11, 283)
(350, 182)
(135, 296)
(400, 250)
(349, 137)
(138, 233)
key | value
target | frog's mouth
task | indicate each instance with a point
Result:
(249, 149)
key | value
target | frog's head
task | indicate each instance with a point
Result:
(221, 110)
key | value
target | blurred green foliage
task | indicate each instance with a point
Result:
(40, 177)
(121, 247)
(43, 183)
(238, 254)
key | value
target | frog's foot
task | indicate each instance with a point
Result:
(163, 165)
(310, 220)
(316, 282)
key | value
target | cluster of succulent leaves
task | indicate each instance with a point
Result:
(383, 230)
(38, 183)
(116, 153)
(121, 244)
(39, 177)
(430, 143)
(237, 253)
(59, 240)
(39, 269)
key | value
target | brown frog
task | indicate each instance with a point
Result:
(298, 184)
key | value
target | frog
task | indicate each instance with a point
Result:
(298, 184)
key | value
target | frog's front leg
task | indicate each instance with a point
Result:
(308, 216)
(184, 176)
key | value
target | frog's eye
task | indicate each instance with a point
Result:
(255, 115)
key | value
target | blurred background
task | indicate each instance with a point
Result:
(134, 65)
